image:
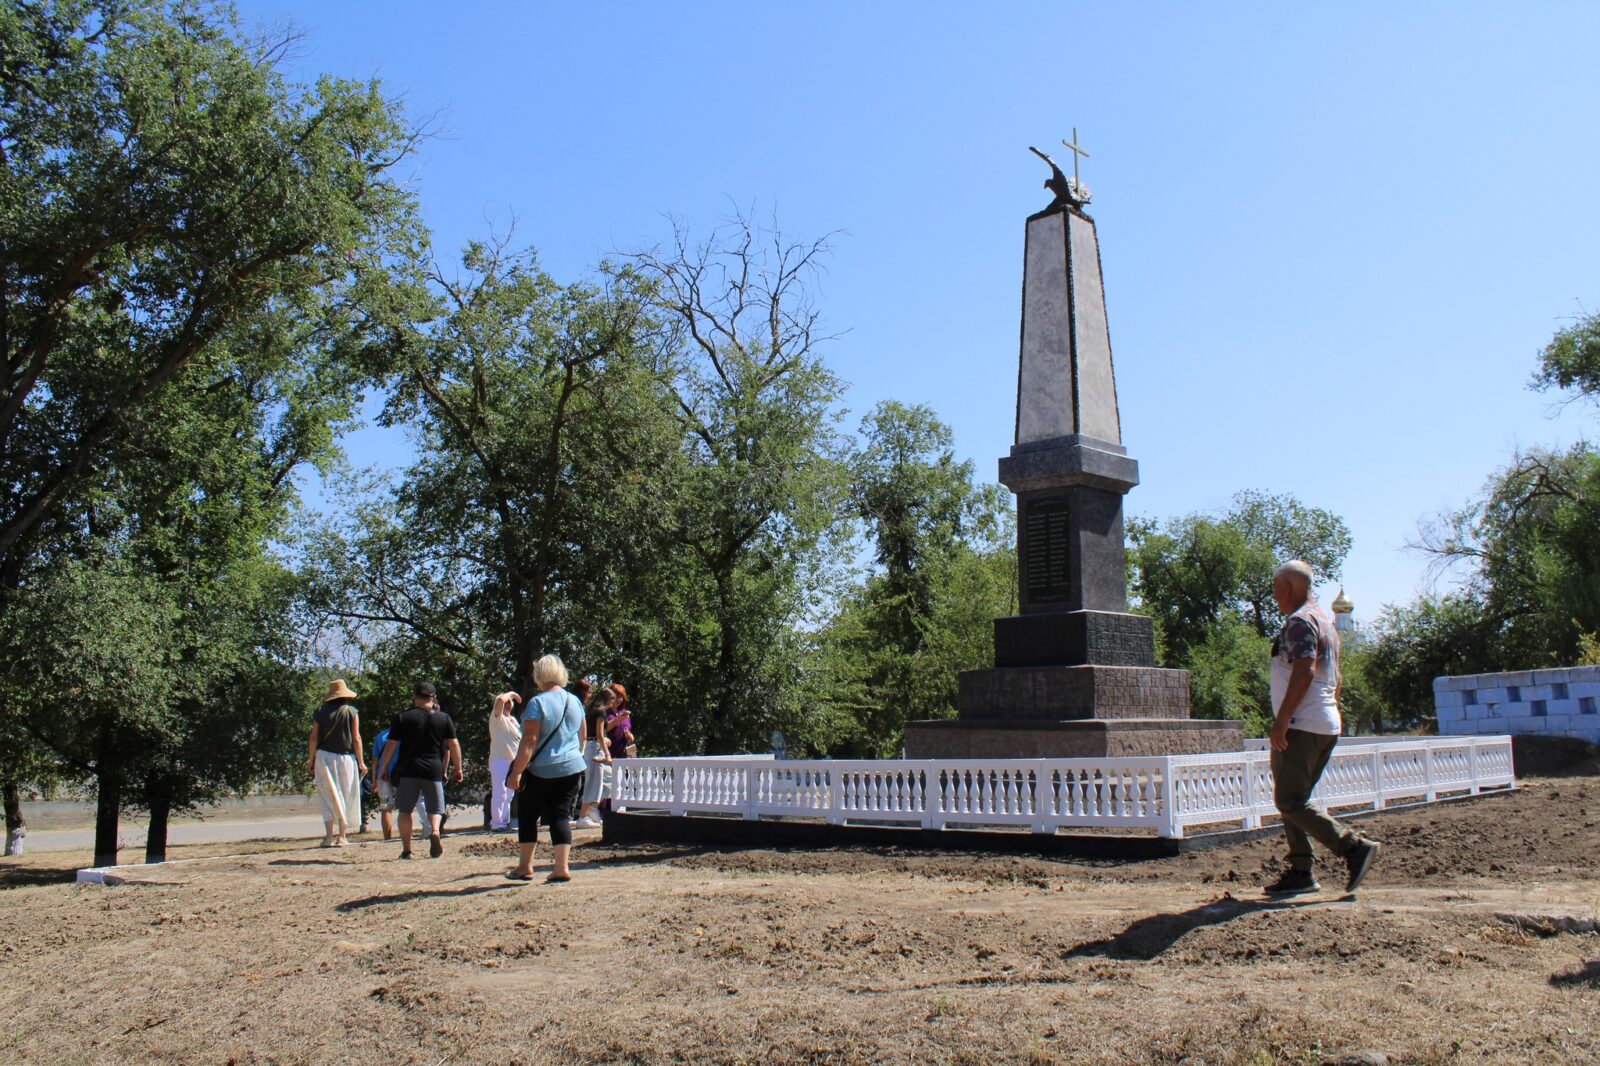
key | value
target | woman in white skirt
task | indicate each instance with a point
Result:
(334, 758)
(596, 758)
(505, 734)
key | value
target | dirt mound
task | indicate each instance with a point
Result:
(502, 847)
(1554, 757)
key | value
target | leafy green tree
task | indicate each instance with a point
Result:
(175, 216)
(1431, 637)
(28, 765)
(914, 496)
(161, 181)
(1528, 553)
(1206, 581)
(544, 470)
(1524, 556)
(1277, 528)
(1190, 574)
(1571, 361)
(1229, 674)
(87, 657)
(194, 497)
(1361, 702)
(945, 569)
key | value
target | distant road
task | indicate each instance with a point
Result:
(130, 836)
(234, 824)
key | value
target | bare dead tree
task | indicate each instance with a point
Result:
(751, 390)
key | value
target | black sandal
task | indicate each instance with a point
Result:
(554, 880)
(513, 875)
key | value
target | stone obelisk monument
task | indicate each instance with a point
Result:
(1074, 672)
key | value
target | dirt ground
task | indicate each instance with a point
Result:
(678, 954)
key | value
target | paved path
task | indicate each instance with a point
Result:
(130, 835)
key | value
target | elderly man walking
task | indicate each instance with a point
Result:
(1305, 697)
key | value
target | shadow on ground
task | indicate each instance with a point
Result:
(1148, 937)
(630, 855)
(1588, 974)
(29, 876)
(423, 893)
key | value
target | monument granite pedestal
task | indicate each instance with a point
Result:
(1074, 673)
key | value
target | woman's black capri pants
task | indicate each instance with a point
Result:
(549, 800)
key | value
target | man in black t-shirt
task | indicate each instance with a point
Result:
(426, 741)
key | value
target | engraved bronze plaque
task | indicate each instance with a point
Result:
(1046, 543)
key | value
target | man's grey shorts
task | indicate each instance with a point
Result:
(386, 795)
(431, 793)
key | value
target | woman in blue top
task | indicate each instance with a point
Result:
(548, 769)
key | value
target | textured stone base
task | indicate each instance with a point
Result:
(1055, 693)
(1074, 638)
(1094, 738)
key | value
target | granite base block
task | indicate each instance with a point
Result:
(1095, 738)
(1055, 693)
(1074, 638)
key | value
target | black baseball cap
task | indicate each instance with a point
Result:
(423, 689)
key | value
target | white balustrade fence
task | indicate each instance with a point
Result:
(1168, 793)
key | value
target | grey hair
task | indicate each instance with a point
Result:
(1299, 569)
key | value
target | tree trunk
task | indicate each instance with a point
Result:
(155, 841)
(16, 825)
(724, 706)
(108, 806)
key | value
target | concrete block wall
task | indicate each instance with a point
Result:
(1562, 702)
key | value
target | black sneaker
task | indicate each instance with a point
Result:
(1359, 860)
(435, 848)
(1292, 883)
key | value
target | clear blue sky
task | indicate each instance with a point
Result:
(1334, 236)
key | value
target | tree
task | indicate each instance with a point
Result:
(763, 487)
(161, 181)
(1206, 581)
(1278, 528)
(87, 653)
(1528, 555)
(545, 468)
(1229, 674)
(945, 570)
(1571, 361)
(1432, 637)
(27, 764)
(178, 223)
(1189, 575)
(1525, 558)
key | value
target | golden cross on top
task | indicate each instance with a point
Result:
(1076, 152)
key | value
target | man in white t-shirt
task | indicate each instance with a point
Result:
(1306, 726)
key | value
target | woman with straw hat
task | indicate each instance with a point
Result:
(333, 757)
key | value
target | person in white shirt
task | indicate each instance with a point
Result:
(596, 758)
(1305, 696)
(505, 734)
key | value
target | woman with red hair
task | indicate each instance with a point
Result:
(619, 725)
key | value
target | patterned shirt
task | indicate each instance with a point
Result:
(1308, 633)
